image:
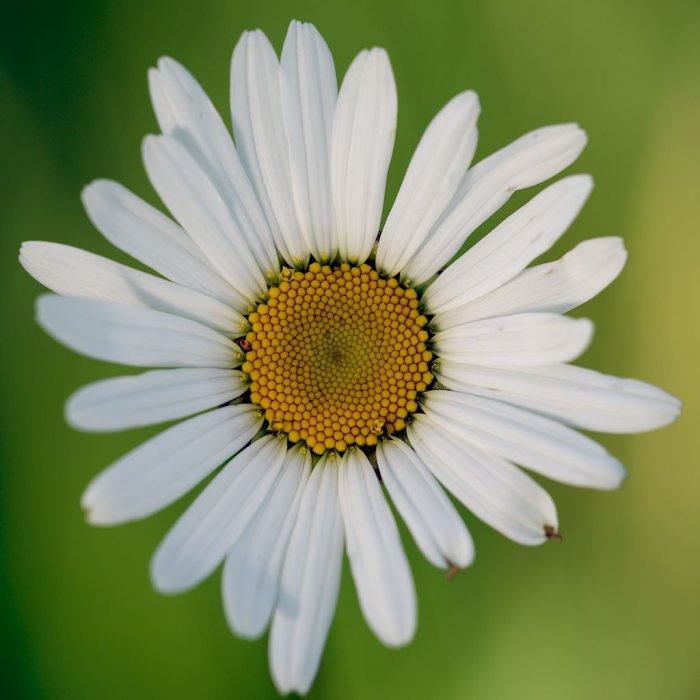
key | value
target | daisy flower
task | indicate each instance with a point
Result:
(327, 367)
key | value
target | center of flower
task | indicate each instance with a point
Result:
(337, 356)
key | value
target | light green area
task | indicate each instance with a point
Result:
(614, 611)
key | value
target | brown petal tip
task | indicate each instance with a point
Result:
(452, 571)
(551, 533)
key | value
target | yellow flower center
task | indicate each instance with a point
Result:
(337, 356)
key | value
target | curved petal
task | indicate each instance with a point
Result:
(574, 395)
(538, 443)
(364, 128)
(433, 521)
(131, 335)
(166, 467)
(515, 341)
(74, 272)
(252, 569)
(192, 198)
(210, 527)
(436, 169)
(511, 246)
(152, 397)
(258, 125)
(494, 490)
(152, 238)
(185, 112)
(487, 186)
(309, 93)
(309, 584)
(554, 287)
(377, 560)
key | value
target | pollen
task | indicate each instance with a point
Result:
(337, 356)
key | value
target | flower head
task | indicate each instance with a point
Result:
(321, 361)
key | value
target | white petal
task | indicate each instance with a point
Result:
(152, 397)
(185, 112)
(131, 335)
(363, 139)
(497, 492)
(577, 396)
(73, 272)
(553, 287)
(258, 125)
(511, 246)
(309, 583)
(164, 468)
(377, 560)
(487, 186)
(192, 198)
(515, 341)
(143, 232)
(433, 521)
(535, 442)
(309, 93)
(210, 527)
(252, 569)
(436, 169)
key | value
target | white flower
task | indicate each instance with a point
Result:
(306, 348)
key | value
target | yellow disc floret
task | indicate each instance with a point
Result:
(337, 356)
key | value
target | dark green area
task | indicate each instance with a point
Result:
(613, 611)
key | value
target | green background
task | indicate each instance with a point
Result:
(612, 612)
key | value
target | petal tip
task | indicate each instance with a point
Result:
(552, 533)
(93, 190)
(94, 515)
(583, 181)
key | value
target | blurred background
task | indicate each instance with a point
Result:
(614, 610)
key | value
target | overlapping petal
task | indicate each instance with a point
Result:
(434, 173)
(510, 247)
(487, 186)
(533, 441)
(430, 516)
(377, 560)
(364, 129)
(497, 492)
(185, 112)
(554, 287)
(309, 93)
(152, 238)
(167, 466)
(250, 580)
(194, 201)
(152, 397)
(577, 396)
(515, 341)
(132, 335)
(309, 584)
(259, 129)
(76, 273)
(211, 526)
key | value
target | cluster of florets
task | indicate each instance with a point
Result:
(337, 356)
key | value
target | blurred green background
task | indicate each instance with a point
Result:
(612, 612)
